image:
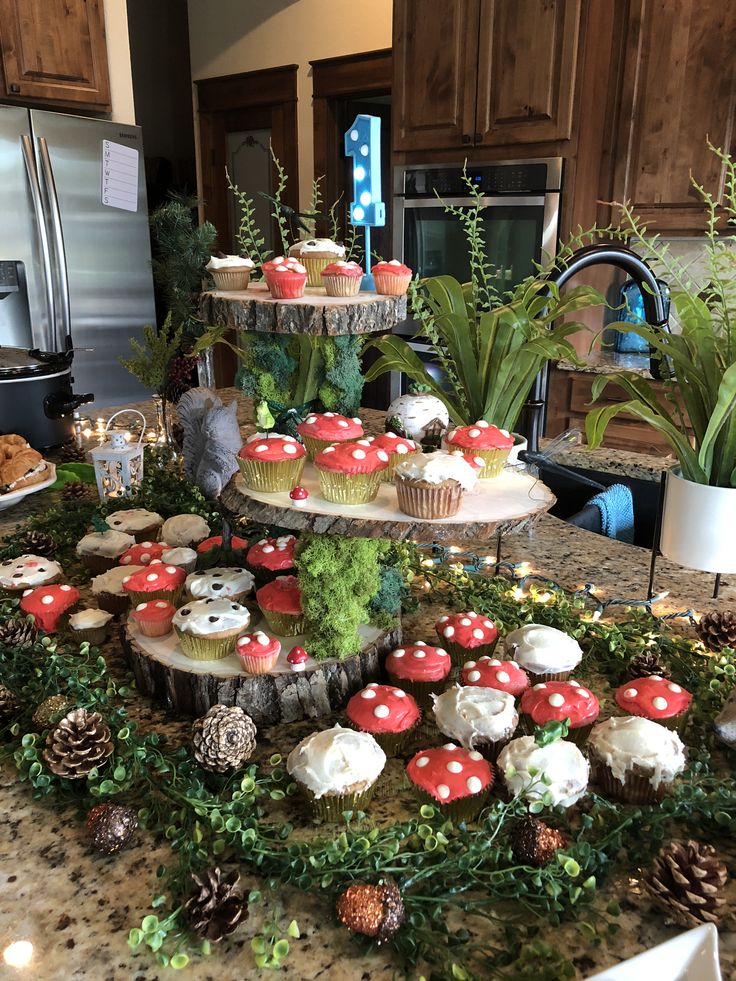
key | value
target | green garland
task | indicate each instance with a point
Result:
(439, 867)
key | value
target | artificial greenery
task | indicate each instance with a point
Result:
(151, 359)
(697, 363)
(491, 346)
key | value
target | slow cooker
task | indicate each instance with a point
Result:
(36, 398)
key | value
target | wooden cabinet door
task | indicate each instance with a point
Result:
(678, 88)
(527, 64)
(435, 60)
(54, 50)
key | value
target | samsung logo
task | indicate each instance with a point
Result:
(128, 136)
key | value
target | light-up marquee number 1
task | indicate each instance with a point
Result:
(363, 144)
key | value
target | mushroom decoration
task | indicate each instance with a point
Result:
(297, 658)
(299, 496)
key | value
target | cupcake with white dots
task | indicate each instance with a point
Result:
(455, 779)
(421, 669)
(271, 462)
(350, 473)
(656, 698)
(258, 652)
(321, 429)
(467, 634)
(388, 713)
(207, 629)
(50, 605)
(483, 440)
(555, 701)
(490, 672)
(478, 718)
(155, 581)
(545, 653)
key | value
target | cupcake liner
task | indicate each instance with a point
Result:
(271, 476)
(389, 284)
(114, 603)
(421, 691)
(158, 629)
(459, 654)
(329, 807)
(353, 488)
(282, 288)
(206, 648)
(314, 445)
(490, 749)
(537, 679)
(285, 624)
(394, 459)
(462, 809)
(314, 267)
(636, 789)
(97, 564)
(174, 596)
(430, 501)
(258, 665)
(495, 461)
(341, 285)
(390, 742)
(231, 279)
(92, 635)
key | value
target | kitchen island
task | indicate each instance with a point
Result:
(76, 907)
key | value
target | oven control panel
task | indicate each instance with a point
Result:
(511, 179)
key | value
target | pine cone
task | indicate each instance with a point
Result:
(110, 827)
(375, 911)
(534, 843)
(9, 704)
(646, 664)
(76, 491)
(686, 881)
(80, 742)
(50, 711)
(71, 453)
(37, 543)
(223, 739)
(717, 630)
(19, 633)
(216, 908)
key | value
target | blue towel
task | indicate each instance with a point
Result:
(616, 506)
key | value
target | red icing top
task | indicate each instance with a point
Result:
(480, 436)
(154, 576)
(489, 672)
(342, 268)
(153, 611)
(270, 446)
(48, 603)
(283, 268)
(216, 540)
(281, 596)
(552, 701)
(382, 708)
(257, 644)
(330, 426)
(419, 662)
(653, 697)
(467, 629)
(274, 554)
(142, 554)
(351, 458)
(297, 655)
(392, 443)
(393, 267)
(449, 772)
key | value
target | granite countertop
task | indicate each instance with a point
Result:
(77, 907)
(602, 361)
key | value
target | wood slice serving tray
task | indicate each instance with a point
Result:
(510, 502)
(314, 313)
(192, 687)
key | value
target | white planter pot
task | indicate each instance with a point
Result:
(520, 443)
(699, 525)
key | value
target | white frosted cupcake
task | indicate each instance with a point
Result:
(100, 550)
(208, 628)
(563, 766)
(90, 625)
(225, 582)
(431, 486)
(108, 589)
(316, 254)
(634, 759)
(478, 718)
(142, 524)
(230, 272)
(27, 572)
(336, 770)
(183, 557)
(545, 653)
(184, 530)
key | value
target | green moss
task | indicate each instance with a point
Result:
(338, 579)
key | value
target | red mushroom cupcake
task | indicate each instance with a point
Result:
(258, 652)
(342, 278)
(489, 672)
(349, 473)
(271, 557)
(397, 448)
(467, 633)
(482, 440)
(420, 669)
(271, 462)
(322, 429)
(49, 605)
(656, 698)
(281, 604)
(553, 701)
(286, 279)
(392, 278)
(455, 779)
(155, 581)
(387, 713)
(153, 617)
(142, 554)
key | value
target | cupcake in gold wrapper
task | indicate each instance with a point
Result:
(387, 712)
(208, 629)
(280, 603)
(350, 473)
(271, 462)
(321, 429)
(316, 254)
(482, 440)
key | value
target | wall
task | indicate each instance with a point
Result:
(233, 36)
(118, 59)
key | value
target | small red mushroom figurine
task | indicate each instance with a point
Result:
(299, 496)
(297, 658)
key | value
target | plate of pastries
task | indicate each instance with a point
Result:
(22, 470)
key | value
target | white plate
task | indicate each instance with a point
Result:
(8, 500)
(692, 956)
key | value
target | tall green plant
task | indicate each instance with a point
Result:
(698, 364)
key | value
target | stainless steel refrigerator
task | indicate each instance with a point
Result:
(74, 244)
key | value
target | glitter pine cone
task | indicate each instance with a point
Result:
(50, 711)
(375, 911)
(110, 827)
(534, 843)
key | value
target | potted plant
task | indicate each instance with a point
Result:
(490, 346)
(695, 413)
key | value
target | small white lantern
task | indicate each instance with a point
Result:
(119, 464)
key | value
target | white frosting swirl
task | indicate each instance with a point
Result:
(108, 543)
(133, 519)
(28, 570)
(436, 468)
(185, 558)
(623, 743)
(311, 245)
(228, 262)
(471, 715)
(112, 580)
(220, 582)
(336, 760)
(184, 529)
(539, 649)
(89, 619)
(561, 762)
(211, 616)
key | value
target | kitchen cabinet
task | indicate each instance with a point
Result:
(54, 51)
